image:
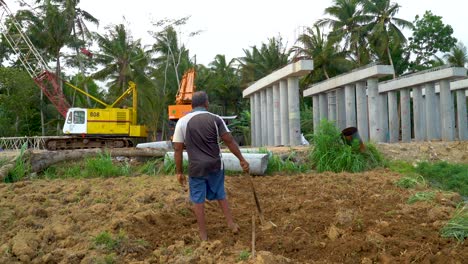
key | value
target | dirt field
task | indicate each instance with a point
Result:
(320, 218)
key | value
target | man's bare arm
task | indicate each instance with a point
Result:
(178, 159)
(234, 148)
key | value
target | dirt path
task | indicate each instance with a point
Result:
(321, 218)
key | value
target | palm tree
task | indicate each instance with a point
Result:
(122, 57)
(346, 23)
(224, 83)
(328, 60)
(384, 26)
(261, 62)
(458, 56)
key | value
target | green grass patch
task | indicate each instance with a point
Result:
(169, 167)
(21, 168)
(152, 167)
(401, 166)
(422, 197)
(330, 153)
(106, 240)
(446, 176)
(457, 227)
(244, 255)
(285, 165)
(411, 181)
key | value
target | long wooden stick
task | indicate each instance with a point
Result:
(257, 202)
(253, 236)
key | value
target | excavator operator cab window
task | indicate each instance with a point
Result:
(69, 118)
(78, 117)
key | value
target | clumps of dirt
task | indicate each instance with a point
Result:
(450, 151)
(320, 218)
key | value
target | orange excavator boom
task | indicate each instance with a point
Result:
(187, 88)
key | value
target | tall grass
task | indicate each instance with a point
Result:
(457, 227)
(21, 168)
(453, 177)
(288, 165)
(331, 154)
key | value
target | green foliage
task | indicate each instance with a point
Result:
(457, 227)
(105, 240)
(422, 196)
(152, 167)
(244, 255)
(240, 128)
(102, 166)
(286, 165)
(453, 177)
(401, 166)
(411, 181)
(169, 167)
(458, 55)
(430, 35)
(331, 154)
(21, 168)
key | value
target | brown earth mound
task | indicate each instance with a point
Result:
(320, 218)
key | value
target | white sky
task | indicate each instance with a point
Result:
(231, 26)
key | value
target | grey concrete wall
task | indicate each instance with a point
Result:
(384, 134)
(294, 113)
(323, 105)
(461, 115)
(340, 108)
(270, 126)
(418, 118)
(447, 112)
(315, 112)
(375, 130)
(284, 115)
(350, 107)
(331, 99)
(393, 120)
(252, 120)
(430, 103)
(258, 119)
(263, 102)
(405, 105)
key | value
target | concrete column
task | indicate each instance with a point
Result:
(383, 109)
(350, 106)
(270, 126)
(331, 98)
(276, 115)
(447, 111)
(461, 115)
(438, 122)
(405, 115)
(362, 113)
(340, 108)
(316, 112)
(418, 108)
(252, 120)
(294, 113)
(323, 105)
(264, 129)
(430, 102)
(393, 120)
(258, 119)
(283, 86)
(375, 129)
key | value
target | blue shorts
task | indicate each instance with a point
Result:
(209, 187)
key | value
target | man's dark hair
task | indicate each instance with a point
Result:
(199, 99)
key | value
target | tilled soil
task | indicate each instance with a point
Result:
(320, 218)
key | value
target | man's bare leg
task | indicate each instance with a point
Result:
(199, 209)
(227, 213)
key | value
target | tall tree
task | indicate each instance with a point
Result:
(123, 59)
(430, 36)
(458, 55)
(384, 27)
(346, 22)
(328, 59)
(258, 63)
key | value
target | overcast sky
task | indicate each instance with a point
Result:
(231, 26)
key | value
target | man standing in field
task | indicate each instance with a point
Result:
(199, 131)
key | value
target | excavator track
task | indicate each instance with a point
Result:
(70, 143)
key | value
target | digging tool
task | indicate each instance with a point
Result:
(265, 225)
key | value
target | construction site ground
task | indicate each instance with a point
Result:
(319, 218)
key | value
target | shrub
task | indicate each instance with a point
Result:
(331, 154)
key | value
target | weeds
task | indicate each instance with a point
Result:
(411, 181)
(169, 167)
(152, 167)
(331, 154)
(452, 177)
(244, 255)
(457, 227)
(288, 165)
(21, 169)
(401, 166)
(421, 196)
(105, 240)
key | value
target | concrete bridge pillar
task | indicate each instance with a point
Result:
(438, 122)
(264, 129)
(394, 122)
(331, 99)
(283, 86)
(418, 108)
(316, 112)
(383, 110)
(362, 113)
(447, 111)
(350, 106)
(276, 115)
(270, 126)
(294, 113)
(375, 129)
(258, 119)
(340, 108)
(430, 102)
(461, 115)
(405, 115)
(252, 119)
(323, 105)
